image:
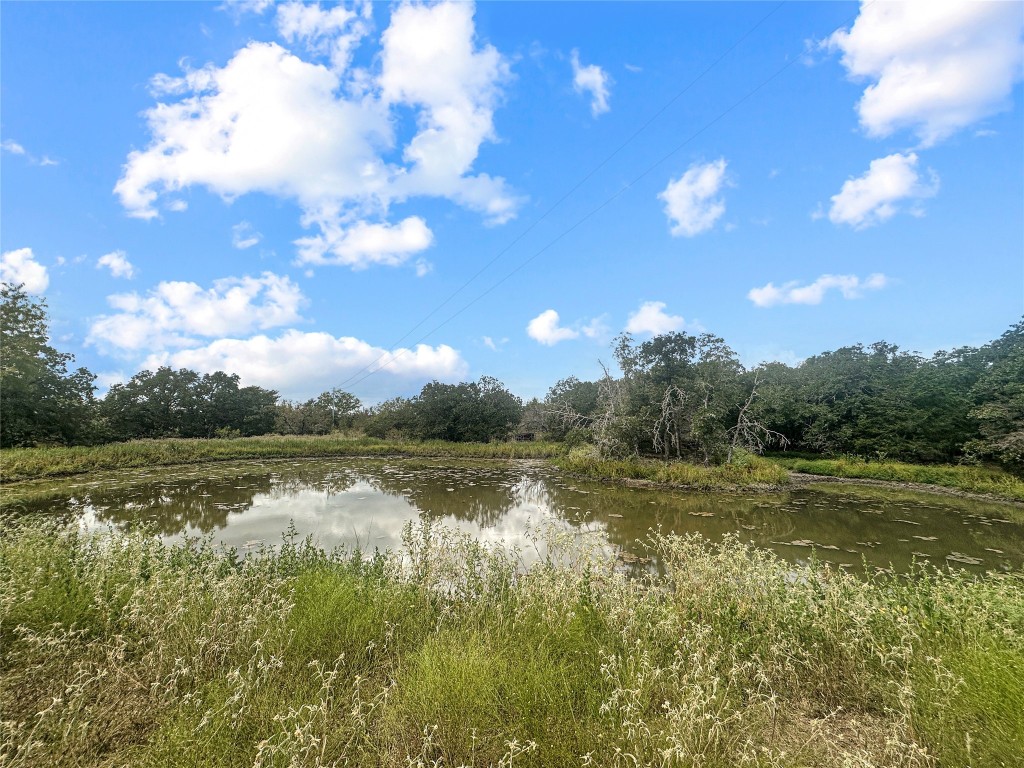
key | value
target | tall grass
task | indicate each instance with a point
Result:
(988, 480)
(31, 463)
(117, 650)
(751, 471)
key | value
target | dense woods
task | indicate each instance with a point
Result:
(675, 395)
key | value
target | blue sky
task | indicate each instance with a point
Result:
(294, 192)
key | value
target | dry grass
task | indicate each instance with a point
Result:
(750, 471)
(986, 480)
(32, 463)
(118, 650)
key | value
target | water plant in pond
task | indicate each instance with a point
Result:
(117, 649)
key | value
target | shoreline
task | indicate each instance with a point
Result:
(22, 466)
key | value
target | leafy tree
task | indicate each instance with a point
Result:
(328, 412)
(468, 412)
(570, 405)
(392, 418)
(675, 397)
(339, 407)
(999, 398)
(40, 400)
(183, 403)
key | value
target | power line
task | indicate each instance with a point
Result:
(629, 140)
(601, 206)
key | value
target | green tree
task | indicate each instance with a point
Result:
(999, 402)
(675, 398)
(339, 407)
(570, 406)
(468, 412)
(183, 403)
(40, 400)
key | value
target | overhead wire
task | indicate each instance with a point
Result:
(353, 381)
(629, 140)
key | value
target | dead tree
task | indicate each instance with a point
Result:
(749, 432)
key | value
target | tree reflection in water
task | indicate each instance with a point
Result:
(366, 502)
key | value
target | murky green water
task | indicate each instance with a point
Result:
(366, 502)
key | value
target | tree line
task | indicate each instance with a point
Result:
(677, 396)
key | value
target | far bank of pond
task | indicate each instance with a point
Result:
(367, 502)
(19, 464)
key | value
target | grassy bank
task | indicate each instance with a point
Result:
(752, 471)
(122, 651)
(32, 463)
(988, 480)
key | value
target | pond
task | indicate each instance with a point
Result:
(367, 502)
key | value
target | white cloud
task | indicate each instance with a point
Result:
(690, 201)
(849, 286)
(545, 329)
(935, 67)
(334, 32)
(266, 122)
(244, 235)
(106, 379)
(596, 328)
(363, 244)
(593, 80)
(652, 318)
(271, 122)
(240, 7)
(489, 343)
(20, 267)
(298, 362)
(10, 145)
(118, 264)
(174, 314)
(430, 60)
(874, 197)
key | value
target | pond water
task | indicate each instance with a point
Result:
(367, 502)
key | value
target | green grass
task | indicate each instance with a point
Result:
(752, 471)
(118, 650)
(988, 480)
(33, 463)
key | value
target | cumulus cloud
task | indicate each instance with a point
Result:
(271, 122)
(691, 201)
(652, 318)
(244, 235)
(935, 67)
(20, 267)
(334, 32)
(362, 244)
(849, 287)
(265, 122)
(430, 61)
(874, 197)
(593, 80)
(118, 264)
(545, 329)
(176, 314)
(9, 145)
(298, 362)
